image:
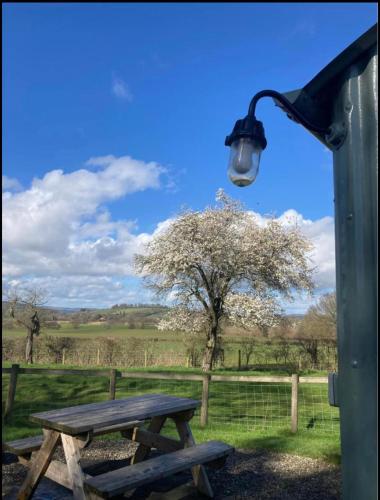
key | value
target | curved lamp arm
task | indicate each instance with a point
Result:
(288, 106)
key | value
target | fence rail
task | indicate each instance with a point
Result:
(291, 399)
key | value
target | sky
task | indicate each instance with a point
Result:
(114, 120)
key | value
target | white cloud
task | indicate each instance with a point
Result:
(59, 235)
(100, 161)
(79, 291)
(60, 227)
(10, 184)
(121, 90)
(321, 233)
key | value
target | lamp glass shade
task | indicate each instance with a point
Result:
(244, 161)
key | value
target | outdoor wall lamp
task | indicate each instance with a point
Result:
(247, 139)
(339, 107)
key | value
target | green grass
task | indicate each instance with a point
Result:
(174, 369)
(93, 331)
(246, 415)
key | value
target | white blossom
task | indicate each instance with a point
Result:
(221, 264)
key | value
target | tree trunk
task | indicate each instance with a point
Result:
(210, 350)
(29, 347)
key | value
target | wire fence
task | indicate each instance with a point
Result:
(232, 405)
(138, 353)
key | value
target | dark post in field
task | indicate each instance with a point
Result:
(11, 391)
(112, 394)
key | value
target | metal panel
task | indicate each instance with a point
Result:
(355, 185)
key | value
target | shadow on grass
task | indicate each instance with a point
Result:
(301, 443)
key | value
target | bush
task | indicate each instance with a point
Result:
(55, 346)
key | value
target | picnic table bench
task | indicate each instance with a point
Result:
(75, 427)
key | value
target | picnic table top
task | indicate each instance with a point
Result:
(83, 418)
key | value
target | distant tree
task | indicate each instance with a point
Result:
(55, 346)
(221, 264)
(318, 326)
(248, 345)
(25, 306)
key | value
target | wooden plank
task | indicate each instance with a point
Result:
(23, 446)
(313, 380)
(30, 444)
(57, 471)
(118, 415)
(198, 472)
(143, 450)
(77, 420)
(11, 391)
(72, 455)
(39, 465)
(242, 378)
(64, 371)
(294, 403)
(105, 405)
(116, 482)
(119, 427)
(153, 440)
(205, 394)
(167, 376)
(161, 376)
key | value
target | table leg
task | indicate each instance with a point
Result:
(198, 471)
(39, 465)
(71, 448)
(143, 450)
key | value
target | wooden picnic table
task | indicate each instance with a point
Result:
(76, 426)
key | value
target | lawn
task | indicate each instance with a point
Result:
(246, 415)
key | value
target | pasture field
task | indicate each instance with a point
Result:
(160, 341)
(93, 330)
(246, 415)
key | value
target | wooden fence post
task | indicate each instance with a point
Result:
(145, 359)
(63, 355)
(11, 390)
(239, 360)
(112, 383)
(205, 393)
(98, 357)
(294, 404)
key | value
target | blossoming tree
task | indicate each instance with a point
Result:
(221, 264)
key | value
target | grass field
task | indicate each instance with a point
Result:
(153, 340)
(246, 415)
(93, 330)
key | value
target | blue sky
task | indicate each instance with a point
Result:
(161, 84)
